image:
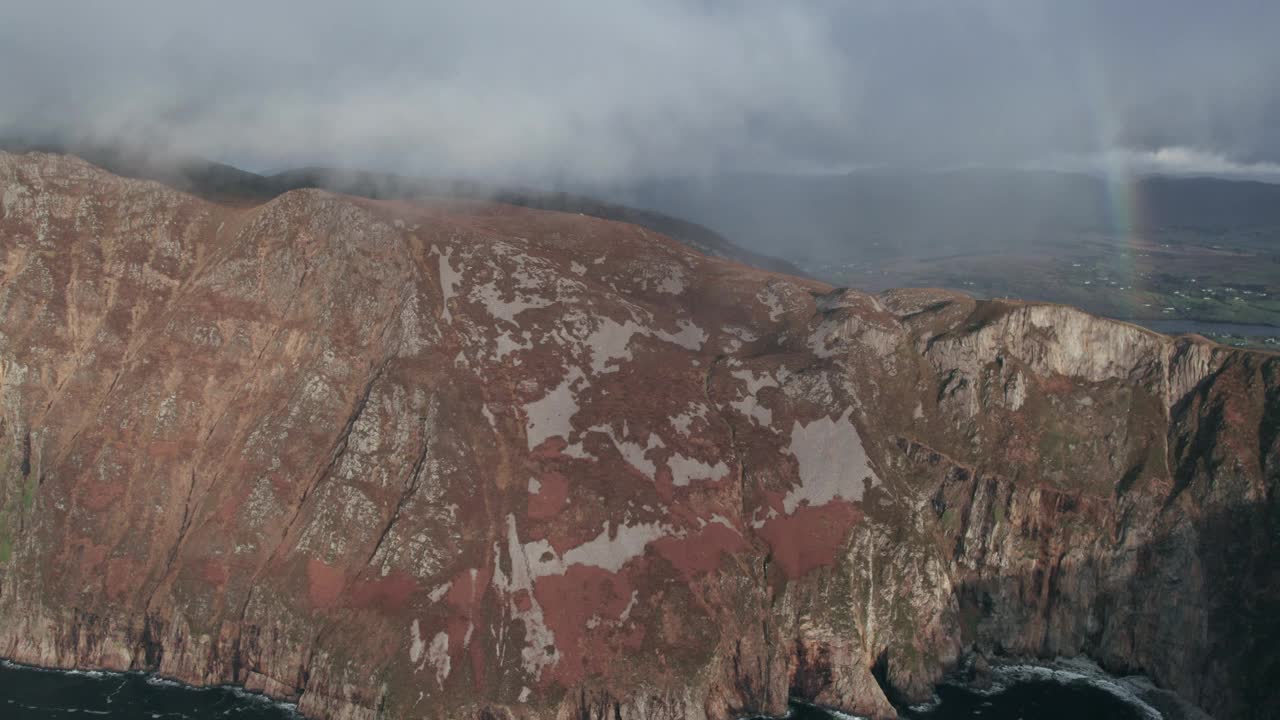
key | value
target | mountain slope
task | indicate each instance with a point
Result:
(400, 459)
(217, 182)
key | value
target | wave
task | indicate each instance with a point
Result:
(1071, 671)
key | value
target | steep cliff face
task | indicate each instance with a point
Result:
(406, 460)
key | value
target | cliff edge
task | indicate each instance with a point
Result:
(395, 459)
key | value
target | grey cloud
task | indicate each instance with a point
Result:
(581, 90)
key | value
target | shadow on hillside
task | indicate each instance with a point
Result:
(1197, 610)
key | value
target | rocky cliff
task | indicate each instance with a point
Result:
(397, 459)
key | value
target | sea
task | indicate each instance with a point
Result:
(1018, 692)
(36, 694)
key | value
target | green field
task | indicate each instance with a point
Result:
(1169, 277)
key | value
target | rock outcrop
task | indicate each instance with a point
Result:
(394, 459)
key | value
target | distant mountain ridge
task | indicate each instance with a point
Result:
(865, 214)
(219, 182)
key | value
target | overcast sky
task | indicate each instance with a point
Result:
(597, 89)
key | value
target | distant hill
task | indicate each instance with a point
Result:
(224, 183)
(877, 214)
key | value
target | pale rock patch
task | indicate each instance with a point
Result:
(673, 282)
(610, 342)
(449, 281)
(1015, 391)
(438, 655)
(626, 611)
(507, 343)
(634, 453)
(534, 656)
(438, 593)
(833, 463)
(773, 300)
(495, 303)
(550, 416)
(685, 470)
(684, 421)
(416, 644)
(748, 404)
(689, 337)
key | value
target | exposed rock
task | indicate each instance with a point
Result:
(443, 460)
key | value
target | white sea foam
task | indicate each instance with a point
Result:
(1070, 671)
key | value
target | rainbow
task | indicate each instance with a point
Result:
(1124, 198)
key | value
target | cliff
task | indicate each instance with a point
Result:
(396, 459)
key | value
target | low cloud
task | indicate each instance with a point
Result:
(575, 90)
(1189, 161)
(1173, 161)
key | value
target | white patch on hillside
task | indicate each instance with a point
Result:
(532, 560)
(828, 337)
(685, 470)
(690, 336)
(535, 487)
(416, 645)
(771, 298)
(497, 305)
(435, 595)
(684, 421)
(626, 611)
(758, 522)
(634, 453)
(607, 551)
(609, 342)
(438, 654)
(449, 280)
(748, 405)
(718, 519)
(611, 553)
(537, 636)
(833, 463)
(673, 283)
(507, 343)
(549, 416)
(576, 450)
(578, 268)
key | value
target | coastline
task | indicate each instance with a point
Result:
(241, 694)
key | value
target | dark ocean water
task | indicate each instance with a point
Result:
(30, 694)
(1029, 700)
